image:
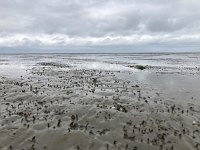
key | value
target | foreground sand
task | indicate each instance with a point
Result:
(89, 109)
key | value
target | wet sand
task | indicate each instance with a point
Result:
(59, 106)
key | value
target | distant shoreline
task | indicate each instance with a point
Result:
(167, 53)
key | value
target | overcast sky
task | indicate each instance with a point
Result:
(92, 24)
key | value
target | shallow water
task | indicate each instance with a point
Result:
(180, 82)
(184, 88)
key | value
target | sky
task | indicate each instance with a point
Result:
(99, 25)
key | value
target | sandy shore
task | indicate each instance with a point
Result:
(58, 109)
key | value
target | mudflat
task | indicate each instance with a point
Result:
(99, 102)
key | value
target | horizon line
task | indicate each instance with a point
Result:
(99, 53)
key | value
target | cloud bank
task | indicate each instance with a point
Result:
(60, 23)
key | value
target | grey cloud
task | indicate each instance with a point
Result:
(77, 20)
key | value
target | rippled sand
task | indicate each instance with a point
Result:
(63, 102)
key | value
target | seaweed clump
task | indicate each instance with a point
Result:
(141, 67)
